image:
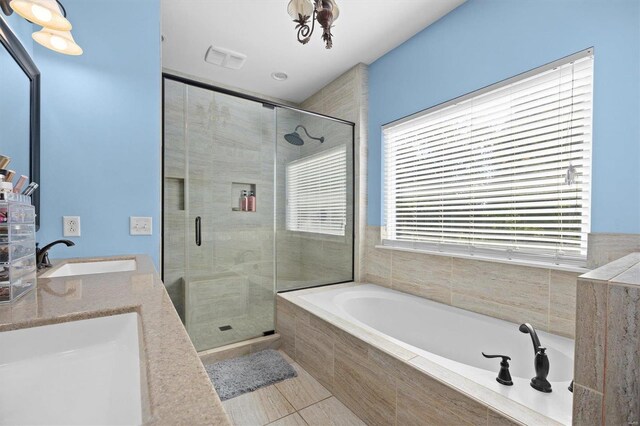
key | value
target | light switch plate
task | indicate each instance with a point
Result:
(71, 226)
(140, 225)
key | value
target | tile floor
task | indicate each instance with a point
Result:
(299, 401)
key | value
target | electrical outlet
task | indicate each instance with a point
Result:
(140, 225)
(71, 226)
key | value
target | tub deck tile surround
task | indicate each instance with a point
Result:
(622, 370)
(592, 316)
(607, 365)
(175, 386)
(381, 382)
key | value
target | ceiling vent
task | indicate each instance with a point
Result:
(225, 58)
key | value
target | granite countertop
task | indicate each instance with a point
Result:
(175, 386)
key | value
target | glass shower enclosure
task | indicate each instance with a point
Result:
(257, 198)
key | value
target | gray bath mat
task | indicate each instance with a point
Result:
(233, 377)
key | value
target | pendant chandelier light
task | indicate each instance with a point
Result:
(52, 17)
(45, 13)
(58, 41)
(323, 11)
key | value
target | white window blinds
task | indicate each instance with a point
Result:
(316, 189)
(503, 172)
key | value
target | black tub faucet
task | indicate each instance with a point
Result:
(504, 377)
(540, 362)
(42, 254)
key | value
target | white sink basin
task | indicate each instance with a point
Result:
(79, 372)
(92, 267)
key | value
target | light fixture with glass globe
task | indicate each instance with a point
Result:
(323, 11)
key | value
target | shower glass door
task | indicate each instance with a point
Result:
(224, 260)
(217, 148)
(314, 200)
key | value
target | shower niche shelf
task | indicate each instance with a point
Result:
(236, 194)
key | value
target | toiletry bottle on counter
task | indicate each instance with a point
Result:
(251, 203)
(5, 187)
(244, 201)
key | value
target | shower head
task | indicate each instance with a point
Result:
(295, 139)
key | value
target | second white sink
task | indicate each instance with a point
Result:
(92, 267)
(83, 372)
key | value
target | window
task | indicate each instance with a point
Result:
(317, 193)
(503, 172)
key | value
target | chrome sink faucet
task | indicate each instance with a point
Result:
(540, 362)
(42, 254)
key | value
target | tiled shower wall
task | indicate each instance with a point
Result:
(346, 98)
(326, 258)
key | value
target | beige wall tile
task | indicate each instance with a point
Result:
(422, 275)
(514, 293)
(346, 98)
(605, 248)
(622, 372)
(562, 302)
(330, 412)
(258, 408)
(587, 406)
(378, 266)
(590, 335)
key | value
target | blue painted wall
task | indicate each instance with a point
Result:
(485, 41)
(101, 124)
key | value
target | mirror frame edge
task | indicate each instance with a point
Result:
(15, 48)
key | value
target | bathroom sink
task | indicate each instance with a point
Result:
(92, 267)
(78, 372)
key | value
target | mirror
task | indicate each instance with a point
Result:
(20, 110)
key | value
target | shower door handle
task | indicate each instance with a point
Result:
(198, 231)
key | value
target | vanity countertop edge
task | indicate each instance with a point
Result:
(175, 386)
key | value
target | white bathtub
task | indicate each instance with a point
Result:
(454, 338)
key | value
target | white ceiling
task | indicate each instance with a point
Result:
(262, 30)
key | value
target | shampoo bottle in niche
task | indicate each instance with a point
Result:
(251, 203)
(244, 201)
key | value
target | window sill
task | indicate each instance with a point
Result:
(316, 236)
(518, 262)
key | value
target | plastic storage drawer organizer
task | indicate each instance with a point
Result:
(17, 246)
